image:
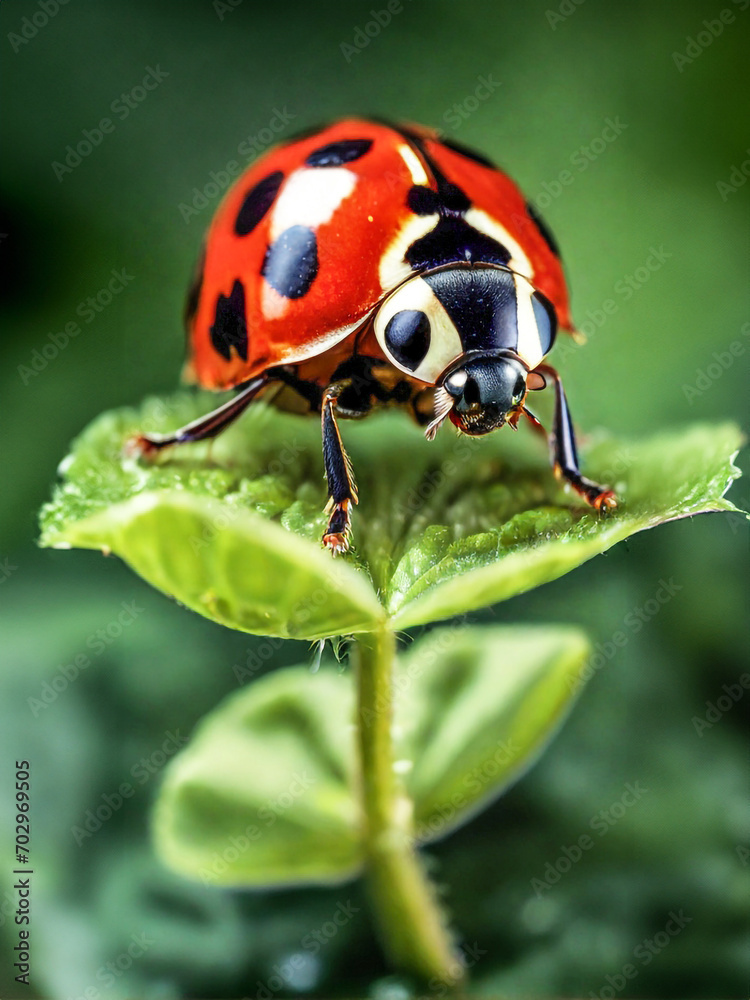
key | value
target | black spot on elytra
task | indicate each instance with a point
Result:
(335, 154)
(291, 262)
(448, 200)
(452, 240)
(257, 202)
(470, 154)
(423, 200)
(230, 323)
(543, 228)
(407, 336)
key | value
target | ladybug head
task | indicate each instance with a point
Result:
(474, 331)
(483, 391)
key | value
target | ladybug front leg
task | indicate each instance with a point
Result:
(565, 453)
(342, 491)
(202, 428)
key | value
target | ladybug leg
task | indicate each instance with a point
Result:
(342, 491)
(202, 428)
(565, 453)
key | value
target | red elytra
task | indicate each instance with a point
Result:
(368, 264)
(350, 245)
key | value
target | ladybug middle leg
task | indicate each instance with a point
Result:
(202, 428)
(342, 490)
(565, 453)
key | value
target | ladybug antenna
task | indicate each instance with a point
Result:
(443, 405)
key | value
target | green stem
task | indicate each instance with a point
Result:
(409, 916)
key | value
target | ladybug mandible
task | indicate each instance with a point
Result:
(367, 264)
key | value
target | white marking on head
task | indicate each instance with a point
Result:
(414, 164)
(529, 347)
(310, 196)
(444, 344)
(518, 262)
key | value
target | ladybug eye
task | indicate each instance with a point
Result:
(415, 333)
(407, 337)
(546, 321)
(518, 390)
(455, 383)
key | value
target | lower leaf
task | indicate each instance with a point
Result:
(267, 792)
(263, 795)
(477, 706)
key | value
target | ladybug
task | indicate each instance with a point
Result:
(365, 264)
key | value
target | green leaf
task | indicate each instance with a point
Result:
(671, 476)
(232, 565)
(476, 707)
(266, 793)
(202, 535)
(263, 795)
(231, 528)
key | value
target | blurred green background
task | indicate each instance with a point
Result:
(643, 224)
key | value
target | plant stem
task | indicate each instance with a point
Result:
(411, 923)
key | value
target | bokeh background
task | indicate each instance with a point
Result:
(653, 219)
